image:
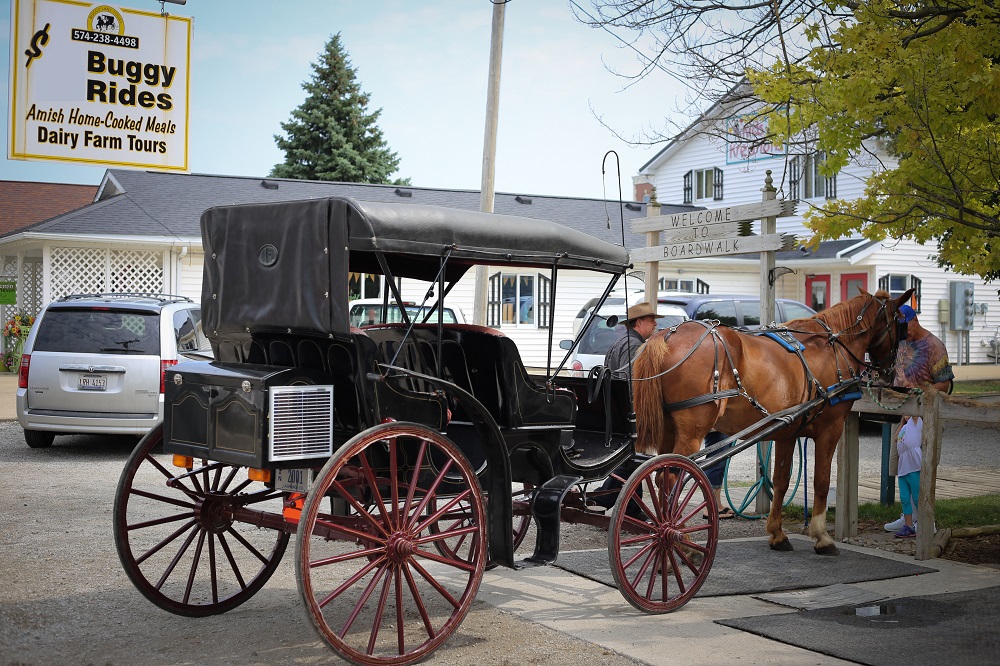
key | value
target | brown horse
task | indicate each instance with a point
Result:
(693, 378)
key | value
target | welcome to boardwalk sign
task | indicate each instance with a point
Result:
(99, 84)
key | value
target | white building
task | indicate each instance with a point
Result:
(715, 170)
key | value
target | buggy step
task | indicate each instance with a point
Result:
(545, 509)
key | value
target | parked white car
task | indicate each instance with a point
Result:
(598, 337)
(368, 312)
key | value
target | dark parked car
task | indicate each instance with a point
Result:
(735, 309)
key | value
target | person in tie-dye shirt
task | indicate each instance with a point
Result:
(921, 361)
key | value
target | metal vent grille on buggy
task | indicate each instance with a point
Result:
(244, 414)
(301, 420)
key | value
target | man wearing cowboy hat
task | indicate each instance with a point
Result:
(640, 324)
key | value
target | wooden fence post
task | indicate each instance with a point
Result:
(930, 452)
(846, 517)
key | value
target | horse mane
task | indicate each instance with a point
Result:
(843, 315)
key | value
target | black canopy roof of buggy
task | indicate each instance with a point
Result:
(286, 265)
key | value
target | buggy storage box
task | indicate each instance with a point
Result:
(249, 415)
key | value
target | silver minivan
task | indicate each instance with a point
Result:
(95, 363)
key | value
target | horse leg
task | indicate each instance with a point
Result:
(780, 475)
(826, 445)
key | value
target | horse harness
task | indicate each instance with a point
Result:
(844, 389)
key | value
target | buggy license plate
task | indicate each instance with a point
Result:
(93, 383)
(293, 480)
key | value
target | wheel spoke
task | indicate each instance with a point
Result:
(181, 530)
(363, 600)
(177, 557)
(246, 544)
(194, 565)
(159, 521)
(232, 561)
(434, 583)
(376, 495)
(161, 498)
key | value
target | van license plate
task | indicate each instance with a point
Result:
(93, 383)
(293, 480)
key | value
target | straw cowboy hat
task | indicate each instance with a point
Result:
(643, 309)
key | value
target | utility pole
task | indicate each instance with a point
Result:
(489, 151)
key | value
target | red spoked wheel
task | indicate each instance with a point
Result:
(461, 515)
(377, 585)
(180, 532)
(663, 534)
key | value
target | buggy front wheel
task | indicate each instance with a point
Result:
(377, 586)
(663, 534)
(178, 536)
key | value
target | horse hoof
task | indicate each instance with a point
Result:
(829, 549)
(785, 545)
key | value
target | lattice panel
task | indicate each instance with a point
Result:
(77, 270)
(32, 288)
(136, 271)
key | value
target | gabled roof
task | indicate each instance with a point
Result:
(148, 203)
(23, 203)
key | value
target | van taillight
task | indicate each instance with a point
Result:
(163, 373)
(577, 365)
(22, 372)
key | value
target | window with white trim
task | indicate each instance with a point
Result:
(519, 299)
(897, 284)
(805, 180)
(702, 184)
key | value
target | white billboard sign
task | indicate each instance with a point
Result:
(99, 84)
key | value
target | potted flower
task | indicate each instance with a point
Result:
(15, 331)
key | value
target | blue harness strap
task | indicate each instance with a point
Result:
(785, 339)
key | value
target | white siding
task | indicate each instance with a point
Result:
(189, 276)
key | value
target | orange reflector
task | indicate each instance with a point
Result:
(263, 475)
(187, 462)
(293, 507)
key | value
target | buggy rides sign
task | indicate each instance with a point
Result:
(97, 84)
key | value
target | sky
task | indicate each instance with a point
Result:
(425, 63)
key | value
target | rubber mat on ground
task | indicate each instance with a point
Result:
(958, 628)
(751, 567)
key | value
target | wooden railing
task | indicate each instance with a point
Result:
(933, 407)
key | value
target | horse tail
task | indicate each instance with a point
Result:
(647, 396)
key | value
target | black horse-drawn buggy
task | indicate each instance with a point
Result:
(405, 459)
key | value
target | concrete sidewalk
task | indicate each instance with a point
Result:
(596, 613)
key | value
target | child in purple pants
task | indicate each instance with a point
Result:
(908, 473)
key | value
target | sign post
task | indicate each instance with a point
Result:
(717, 233)
(99, 84)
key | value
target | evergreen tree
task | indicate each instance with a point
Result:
(331, 135)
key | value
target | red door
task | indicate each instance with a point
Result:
(852, 284)
(818, 291)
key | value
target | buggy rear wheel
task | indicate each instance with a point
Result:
(178, 536)
(663, 534)
(377, 586)
(461, 515)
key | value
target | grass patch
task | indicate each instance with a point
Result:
(977, 387)
(958, 512)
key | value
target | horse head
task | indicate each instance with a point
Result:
(886, 330)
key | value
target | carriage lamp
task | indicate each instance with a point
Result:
(187, 462)
(262, 475)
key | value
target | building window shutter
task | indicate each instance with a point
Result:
(915, 284)
(544, 287)
(831, 187)
(493, 306)
(689, 187)
(717, 185)
(883, 283)
(703, 287)
(794, 178)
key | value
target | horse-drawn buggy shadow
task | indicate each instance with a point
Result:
(406, 459)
